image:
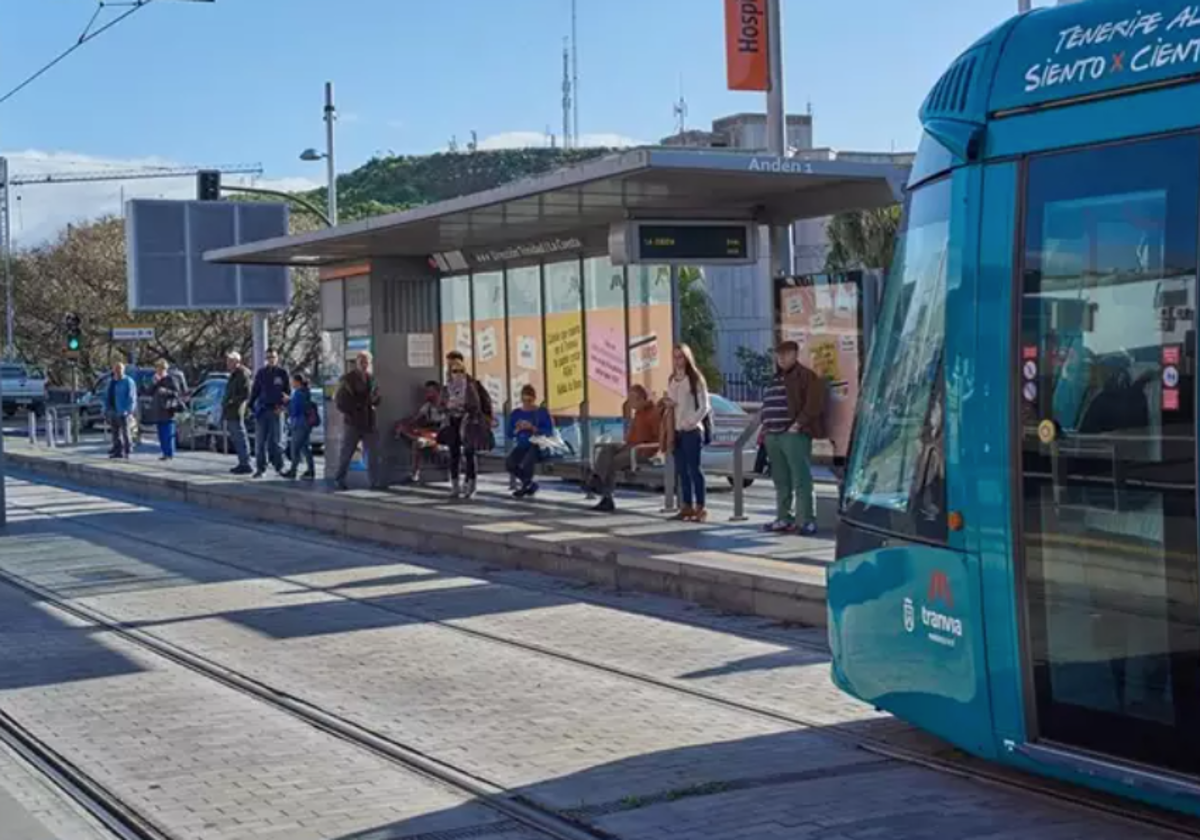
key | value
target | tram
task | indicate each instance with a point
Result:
(1017, 565)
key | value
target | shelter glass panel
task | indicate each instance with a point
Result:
(525, 331)
(456, 317)
(607, 362)
(565, 375)
(491, 357)
(650, 327)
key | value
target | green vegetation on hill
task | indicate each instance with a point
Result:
(388, 184)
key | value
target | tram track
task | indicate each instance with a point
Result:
(118, 820)
(489, 792)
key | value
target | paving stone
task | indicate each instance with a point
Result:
(354, 629)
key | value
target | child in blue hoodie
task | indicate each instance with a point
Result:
(302, 412)
(525, 423)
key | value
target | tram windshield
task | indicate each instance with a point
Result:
(895, 469)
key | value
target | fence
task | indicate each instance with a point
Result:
(739, 389)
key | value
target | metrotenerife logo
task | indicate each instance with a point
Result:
(937, 613)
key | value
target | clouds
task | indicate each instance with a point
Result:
(40, 211)
(527, 139)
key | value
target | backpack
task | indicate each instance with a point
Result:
(485, 399)
(312, 417)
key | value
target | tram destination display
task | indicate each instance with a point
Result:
(683, 243)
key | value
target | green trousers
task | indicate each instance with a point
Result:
(791, 470)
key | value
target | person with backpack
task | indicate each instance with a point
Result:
(467, 428)
(358, 401)
(303, 417)
(793, 416)
(688, 403)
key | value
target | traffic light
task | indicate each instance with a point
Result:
(208, 185)
(74, 333)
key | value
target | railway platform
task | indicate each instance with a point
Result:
(226, 679)
(729, 565)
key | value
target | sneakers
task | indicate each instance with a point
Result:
(607, 505)
(685, 515)
(781, 526)
(809, 529)
(290, 475)
(469, 489)
(242, 469)
(455, 490)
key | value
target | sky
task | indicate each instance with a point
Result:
(242, 81)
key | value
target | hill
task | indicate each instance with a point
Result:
(384, 185)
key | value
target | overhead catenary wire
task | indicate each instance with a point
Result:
(88, 34)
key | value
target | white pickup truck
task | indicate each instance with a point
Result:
(21, 387)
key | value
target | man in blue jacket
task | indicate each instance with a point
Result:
(120, 400)
(268, 397)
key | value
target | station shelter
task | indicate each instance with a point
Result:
(566, 281)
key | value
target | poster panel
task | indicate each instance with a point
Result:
(822, 316)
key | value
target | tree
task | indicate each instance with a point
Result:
(84, 271)
(758, 368)
(699, 324)
(862, 239)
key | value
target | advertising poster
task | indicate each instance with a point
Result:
(525, 344)
(606, 362)
(650, 347)
(491, 363)
(422, 352)
(564, 362)
(822, 317)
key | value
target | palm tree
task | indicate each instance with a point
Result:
(862, 239)
(698, 324)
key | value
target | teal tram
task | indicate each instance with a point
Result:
(1017, 562)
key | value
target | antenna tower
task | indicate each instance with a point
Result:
(566, 100)
(681, 112)
(575, 70)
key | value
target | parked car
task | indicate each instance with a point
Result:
(729, 421)
(202, 424)
(21, 387)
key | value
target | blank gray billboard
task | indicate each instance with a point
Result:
(165, 242)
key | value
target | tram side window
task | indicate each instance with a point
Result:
(896, 478)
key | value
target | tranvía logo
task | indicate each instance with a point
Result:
(910, 620)
(939, 590)
(944, 628)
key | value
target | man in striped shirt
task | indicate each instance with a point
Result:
(793, 416)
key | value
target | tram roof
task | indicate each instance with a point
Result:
(648, 183)
(1065, 54)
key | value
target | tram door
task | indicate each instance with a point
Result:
(1106, 379)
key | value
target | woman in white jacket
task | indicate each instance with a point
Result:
(687, 396)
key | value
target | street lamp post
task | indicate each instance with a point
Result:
(327, 155)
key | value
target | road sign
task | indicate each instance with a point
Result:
(132, 333)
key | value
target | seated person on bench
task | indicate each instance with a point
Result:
(524, 424)
(421, 429)
(641, 438)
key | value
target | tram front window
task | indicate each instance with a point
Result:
(1108, 422)
(896, 465)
